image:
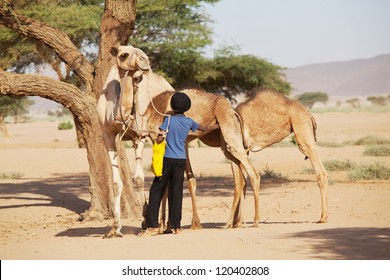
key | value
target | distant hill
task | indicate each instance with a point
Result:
(345, 78)
(360, 77)
(42, 105)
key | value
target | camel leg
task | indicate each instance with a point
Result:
(191, 183)
(115, 231)
(139, 175)
(164, 225)
(235, 217)
(308, 148)
(231, 132)
(255, 182)
(322, 180)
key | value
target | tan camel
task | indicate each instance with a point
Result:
(268, 117)
(114, 109)
(133, 104)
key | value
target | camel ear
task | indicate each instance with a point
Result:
(114, 51)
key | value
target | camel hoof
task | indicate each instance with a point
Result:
(323, 220)
(255, 225)
(227, 226)
(196, 226)
(108, 235)
(237, 225)
(112, 234)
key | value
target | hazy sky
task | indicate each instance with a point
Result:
(292, 33)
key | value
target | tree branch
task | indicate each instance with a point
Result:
(50, 36)
(32, 85)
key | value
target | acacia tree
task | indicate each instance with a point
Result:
(231, 74)
(116, 26)
(308, 99)
(14, 107)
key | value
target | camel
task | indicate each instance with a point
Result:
(114, 110)
(267, 118)
(133, 104)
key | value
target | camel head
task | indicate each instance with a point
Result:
(130, 58)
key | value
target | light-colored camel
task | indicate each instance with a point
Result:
(133, 104)
(114, 109)
(268, 117)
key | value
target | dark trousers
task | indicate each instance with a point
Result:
(173, 176)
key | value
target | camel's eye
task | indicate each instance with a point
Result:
(123, 56)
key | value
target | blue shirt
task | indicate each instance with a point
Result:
(179, 127)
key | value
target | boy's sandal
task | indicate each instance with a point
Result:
(177, 230)
(148, 232)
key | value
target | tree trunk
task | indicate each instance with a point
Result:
(130, 205)
(117, 25)
(3, 127)
(79, 133)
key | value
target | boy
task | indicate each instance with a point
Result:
(176, 129)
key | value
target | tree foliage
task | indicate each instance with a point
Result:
(231, 74)
(308, 99)
(173, 33)
(14, 106)
(78, 19)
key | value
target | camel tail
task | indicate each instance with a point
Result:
(241, 122)
(313, 121)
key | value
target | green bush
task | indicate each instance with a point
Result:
(10, 175)
(339, 165)
(65, 125)
(375, 171)
(377, 150)
(371, 140)
(268, 173)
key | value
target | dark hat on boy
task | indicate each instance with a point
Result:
(180, 102)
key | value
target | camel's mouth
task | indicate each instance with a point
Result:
(141, 66)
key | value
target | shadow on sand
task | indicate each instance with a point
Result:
(354, 243)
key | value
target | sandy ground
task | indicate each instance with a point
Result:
(39, 212)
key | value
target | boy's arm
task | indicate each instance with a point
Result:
(206, 128)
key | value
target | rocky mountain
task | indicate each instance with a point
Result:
(345, 78)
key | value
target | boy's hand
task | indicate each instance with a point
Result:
(206, 128)
(161, 136)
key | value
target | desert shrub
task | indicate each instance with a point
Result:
(65, 125)
(11, 175)
(377, 150)
(371, 140)
(330, 144)
(339, 165)
(375, 171)
(378, 100)
(268, 173)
